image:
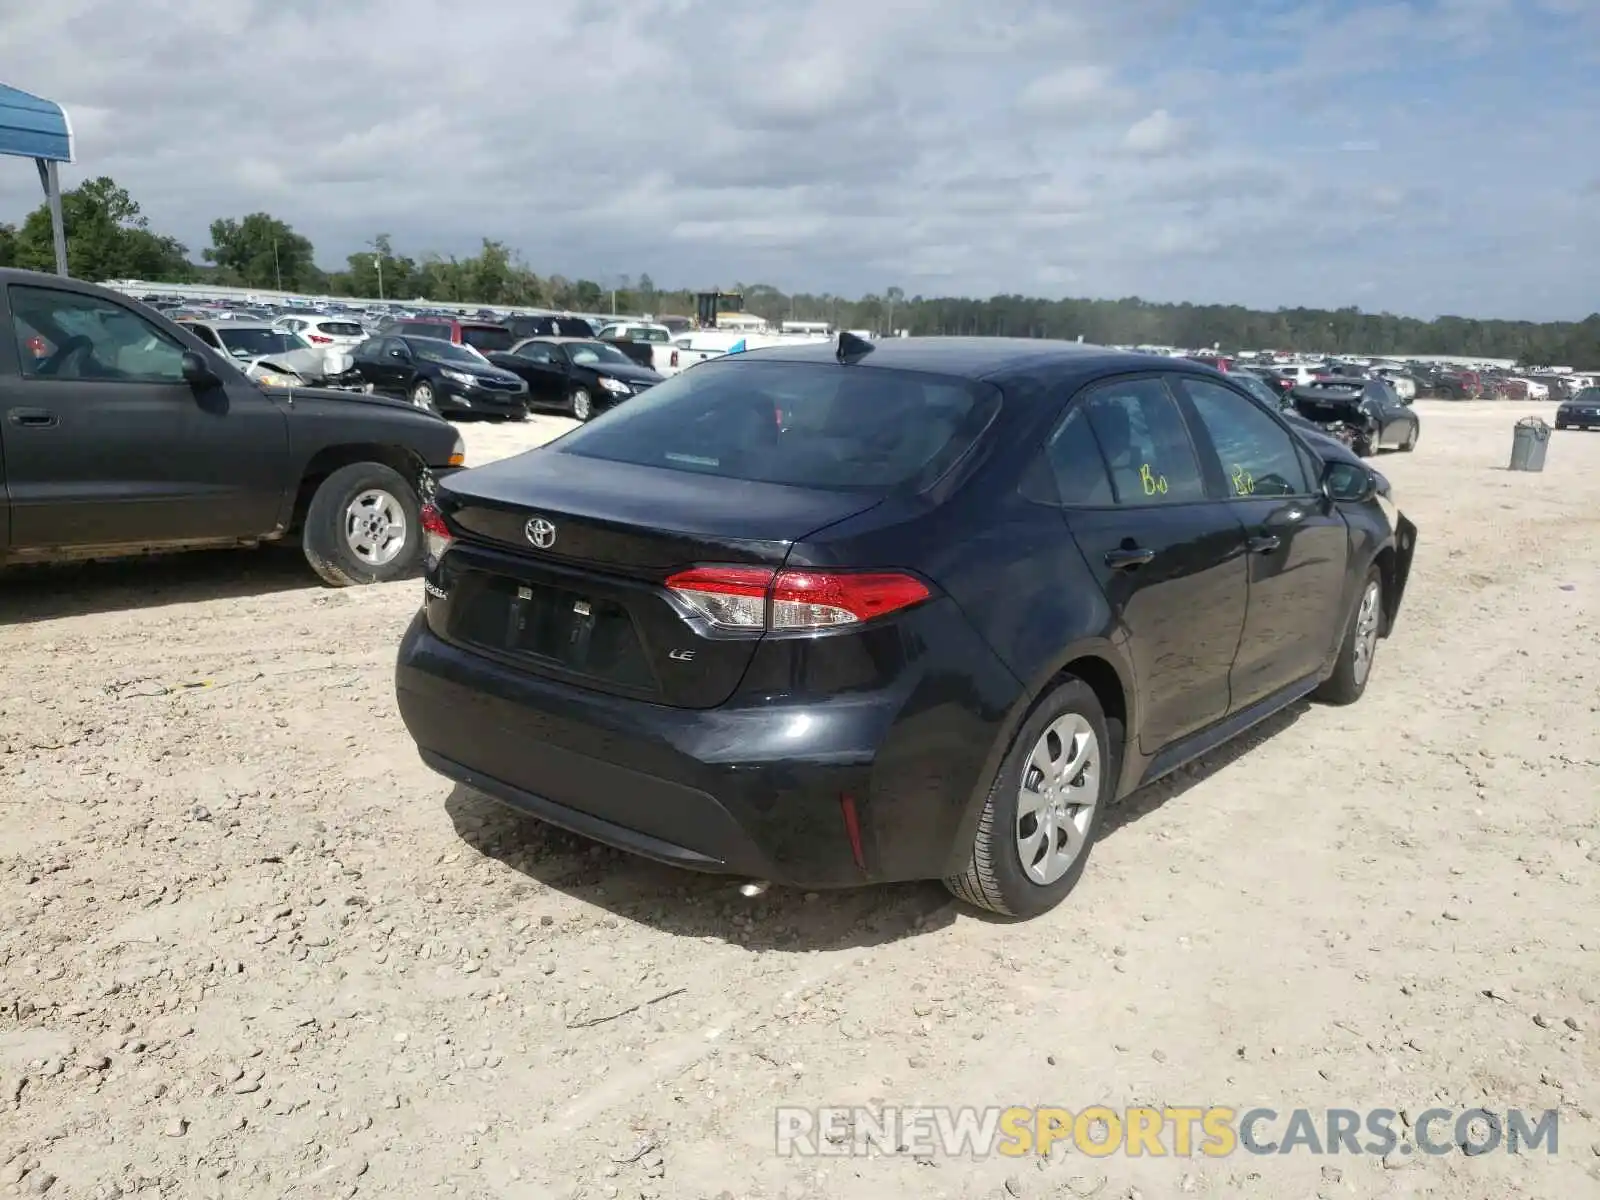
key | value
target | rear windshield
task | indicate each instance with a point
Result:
(486, 337)
(821, 425)
(341, 329)
(427, 329)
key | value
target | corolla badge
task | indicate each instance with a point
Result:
(540, 532)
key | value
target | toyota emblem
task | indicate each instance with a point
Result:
(540, 532)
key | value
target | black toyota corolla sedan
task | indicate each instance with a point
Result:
(835, 614)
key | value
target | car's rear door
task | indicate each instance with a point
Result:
(1298, 545)
(107, 445)
(1168, 555)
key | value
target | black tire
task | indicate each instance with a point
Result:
(995, 878)
(324, 539)
(580, 404)
(1348, 680)
(1410, 443)
(424, 397)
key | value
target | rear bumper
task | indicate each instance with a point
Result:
(753, 788)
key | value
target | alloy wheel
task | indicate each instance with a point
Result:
(375, 527)
(1057, 797)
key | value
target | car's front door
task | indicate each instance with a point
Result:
(107, 445)
(1299, 546)
(1169, 557)
(395, 366)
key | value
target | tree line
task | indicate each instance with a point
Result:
(108, 237)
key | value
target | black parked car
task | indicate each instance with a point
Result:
(579, 376)
(440, 376)
(1580, 412)
(1365, 414)
(548, 326)
(126, 434)
(919, 611)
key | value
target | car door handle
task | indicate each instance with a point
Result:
(1128, 558)
(37, 418)
(1263, 545)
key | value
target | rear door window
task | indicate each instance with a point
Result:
(1076, 464)
(803, 424)
(1146, 444)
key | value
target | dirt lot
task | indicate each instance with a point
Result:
(249, 945)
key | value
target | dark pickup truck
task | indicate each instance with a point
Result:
(122, 433)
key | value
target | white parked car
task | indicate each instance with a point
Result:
(1536, 390)
(332, 333)
(659, 338)
(277, 355)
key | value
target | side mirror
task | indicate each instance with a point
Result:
(197, 373)
(1348, 483)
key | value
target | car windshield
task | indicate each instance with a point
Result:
(486, 337)
(802, 424)
(1589, 395)
(252, 343)
(439, 350)
(588, 353)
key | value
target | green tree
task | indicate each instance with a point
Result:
(107, 238)
(262, 251)
(8, 245)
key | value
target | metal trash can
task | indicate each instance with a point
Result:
(1529, 440)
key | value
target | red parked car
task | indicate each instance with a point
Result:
(482, 336)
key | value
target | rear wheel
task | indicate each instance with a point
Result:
(364, 525)
(1354, 665)
(1410, 443)
(1043, 811)
(581, 405)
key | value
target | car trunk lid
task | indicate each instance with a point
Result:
(560, 565)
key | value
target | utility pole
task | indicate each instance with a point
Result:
(277, 269)
(377, 261)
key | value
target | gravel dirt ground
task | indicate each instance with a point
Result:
(249, 945)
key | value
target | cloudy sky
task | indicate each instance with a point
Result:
(1422, 157)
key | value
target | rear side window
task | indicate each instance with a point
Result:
(1075, 462)
(486, 337)
(815, 425)
(1145, 442)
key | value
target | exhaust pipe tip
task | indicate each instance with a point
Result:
(752, 888)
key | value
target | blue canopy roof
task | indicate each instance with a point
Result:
(33, 128)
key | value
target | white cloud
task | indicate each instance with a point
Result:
(1070, 89)
(1155, 135)
(1183, 149)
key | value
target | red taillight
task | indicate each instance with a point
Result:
(319, 340)
(435, 532)
(758, 598)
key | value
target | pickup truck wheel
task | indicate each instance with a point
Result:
(582, 407)
(364, 525)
